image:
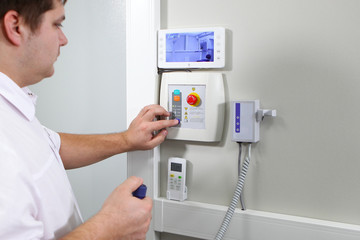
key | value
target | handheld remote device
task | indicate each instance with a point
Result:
(140, 192)
(176, 189)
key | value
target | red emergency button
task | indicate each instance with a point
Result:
(193, 99)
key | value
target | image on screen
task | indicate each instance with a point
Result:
(177, 167)
(190, 47)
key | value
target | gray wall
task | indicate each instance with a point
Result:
(87, 92)
(301, 57)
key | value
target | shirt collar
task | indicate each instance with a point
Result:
(21, 98)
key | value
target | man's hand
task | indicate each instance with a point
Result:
(140, 135)
(129, 216)
(81, 150)
(122, 216)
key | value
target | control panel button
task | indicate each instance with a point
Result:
(191, 99)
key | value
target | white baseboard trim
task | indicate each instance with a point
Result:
(202, 220)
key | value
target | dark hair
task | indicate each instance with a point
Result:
(31, 10)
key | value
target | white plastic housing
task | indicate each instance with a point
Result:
(244, 125)
(203, 122)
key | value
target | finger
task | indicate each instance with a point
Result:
(154, 111)
(132, 183)
(148, 201)
(145, 109)
(159, 138)
(157, 125)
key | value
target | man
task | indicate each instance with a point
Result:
(36, 200)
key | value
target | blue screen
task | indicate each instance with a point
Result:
(190, 47)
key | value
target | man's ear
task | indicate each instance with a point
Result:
(12, 27)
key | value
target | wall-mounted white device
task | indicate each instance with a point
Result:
(197, 99)
(176, 189)
(191, 48)
(246, 117)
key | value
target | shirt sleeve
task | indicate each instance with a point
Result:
(18, 210)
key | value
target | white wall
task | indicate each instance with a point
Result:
(87, 93)
(300, 57)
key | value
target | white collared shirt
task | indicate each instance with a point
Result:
(36, 199)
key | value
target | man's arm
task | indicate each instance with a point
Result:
(121, 217)
(81, 150)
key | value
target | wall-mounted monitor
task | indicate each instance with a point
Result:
(191, 48)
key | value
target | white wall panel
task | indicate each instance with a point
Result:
(301, 58)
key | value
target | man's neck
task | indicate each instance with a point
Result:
(13, 77)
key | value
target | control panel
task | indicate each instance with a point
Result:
(197, 99)
(187, 102)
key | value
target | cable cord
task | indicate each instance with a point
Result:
(235, 200)
(242, 203)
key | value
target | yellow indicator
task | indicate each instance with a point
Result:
(172, 175)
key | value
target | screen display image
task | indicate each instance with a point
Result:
(176, 167)
(190, 47)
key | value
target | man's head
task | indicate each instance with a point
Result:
(30, 38)
(31, 10)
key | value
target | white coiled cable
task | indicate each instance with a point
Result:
(235, 200)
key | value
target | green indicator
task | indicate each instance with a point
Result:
(179, 177)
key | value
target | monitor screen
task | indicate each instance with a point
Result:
(190, 47)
